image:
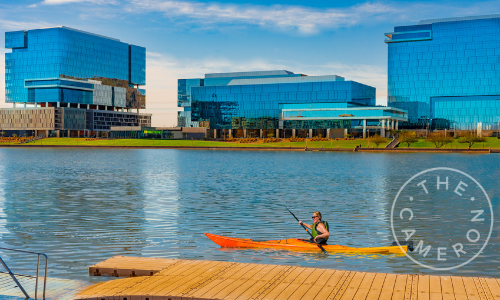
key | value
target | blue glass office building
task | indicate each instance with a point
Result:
(446, 72)
(251, 100)
(92, 82)
(54, 65)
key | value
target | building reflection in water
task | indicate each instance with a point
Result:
(79, 206)
(161, 203)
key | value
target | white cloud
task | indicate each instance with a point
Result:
(59, 2)
(7, 25)
(150, 54)
(306, 20)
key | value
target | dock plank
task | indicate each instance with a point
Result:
(470, 289)
(296, 283)
(493, 287)
(342, 287)
(447, 288)
(411, 292)
(364, 287)
(321, 282)
(480, 289)
(279, 286)
(436, 292)
(234, 283)
(399, 287)
(249, 280)
(376, 287)
(209, 279)
(337, 278)
(388, 287)
(353, 287)
(423, 289)
(225, 279)
(308, 284)
(259, 282)
(197, 278)
(169, 282)
(272, 283)
(458, 288)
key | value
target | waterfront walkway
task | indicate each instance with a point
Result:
(196, 280)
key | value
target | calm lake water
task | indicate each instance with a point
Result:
(81, 206)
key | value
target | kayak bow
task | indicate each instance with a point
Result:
(297, 245)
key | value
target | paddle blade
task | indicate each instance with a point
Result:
(403, 243)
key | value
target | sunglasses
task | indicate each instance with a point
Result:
(314, 217)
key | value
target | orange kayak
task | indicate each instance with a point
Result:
(297, 245)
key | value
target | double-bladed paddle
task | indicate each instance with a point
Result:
(319, 245)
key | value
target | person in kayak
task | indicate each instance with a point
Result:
(319, 229)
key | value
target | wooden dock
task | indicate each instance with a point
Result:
(197, 280)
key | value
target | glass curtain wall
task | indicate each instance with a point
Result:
(454, 58)
(331, 115)
(68, 53)
(257, 106)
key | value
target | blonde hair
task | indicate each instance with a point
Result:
(318, 214)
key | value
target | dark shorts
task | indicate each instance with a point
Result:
(321, 241)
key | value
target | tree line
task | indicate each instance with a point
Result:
(440, 139)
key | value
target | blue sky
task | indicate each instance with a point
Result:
(186, 39)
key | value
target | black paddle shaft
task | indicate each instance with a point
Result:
(319, 245)
(299, 221)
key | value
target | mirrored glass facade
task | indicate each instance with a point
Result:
(447, 71)
(467, 111)
(41, 58)
(337, 115)
(251, 100)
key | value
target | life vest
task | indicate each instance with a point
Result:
(315, 233)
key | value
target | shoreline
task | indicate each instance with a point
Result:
(356, 149)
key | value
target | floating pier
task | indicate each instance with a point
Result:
(175, 279)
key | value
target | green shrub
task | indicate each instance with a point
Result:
(408, 137)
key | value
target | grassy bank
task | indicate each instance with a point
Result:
(197, 143)
(494, 143)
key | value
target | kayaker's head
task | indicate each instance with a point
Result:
(316, 217)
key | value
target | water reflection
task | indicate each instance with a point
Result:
(161, 196)
(81, 206)
(70, 205)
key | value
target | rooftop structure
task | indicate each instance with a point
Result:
(249, 74)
